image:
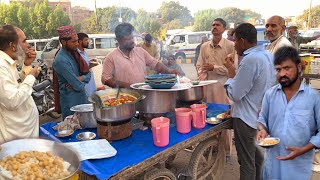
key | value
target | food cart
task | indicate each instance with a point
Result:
(137, 157)
(311, 66)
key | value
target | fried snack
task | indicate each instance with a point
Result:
(28, 165)
(269, 142)
(122, 99)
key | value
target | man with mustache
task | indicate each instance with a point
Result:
(210, 67)
(19, 116)
(291, 112)
(275, 27)
(71, 72)
(296, 39)
(127, 64)
(246, 88)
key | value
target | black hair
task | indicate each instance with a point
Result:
(81, 36)
(8, 34)
(285, 53)
(223, 22)
(171, 56)
(123, 29)
(246, 31)
(65, 38)
(148, 38)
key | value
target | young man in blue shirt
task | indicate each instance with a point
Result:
(290, 111)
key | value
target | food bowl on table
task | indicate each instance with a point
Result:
(269, 142)
(213, 120)
(85, 136)
(39, 152)
(160, 76)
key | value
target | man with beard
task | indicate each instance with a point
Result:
(127, 64)
(291, 112)
(246, 89)
(275, 27)
(19, 116)
(71, 71)
(296, 40)
(83, 40)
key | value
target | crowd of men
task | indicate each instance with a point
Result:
(262, 85)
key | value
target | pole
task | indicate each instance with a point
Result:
(95, 9)
(309, 16)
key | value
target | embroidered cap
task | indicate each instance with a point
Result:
(66, 31)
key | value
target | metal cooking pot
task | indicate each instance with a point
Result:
(192, 94)
(58, 149)
(85, 115)
(157, 101)
(115, 113)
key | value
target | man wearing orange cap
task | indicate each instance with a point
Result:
(71, 70)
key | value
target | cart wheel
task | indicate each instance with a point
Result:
(160, 174)
(170, 160)
(204, 160)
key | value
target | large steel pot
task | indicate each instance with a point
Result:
(115, 113)
(157, 101)
(192, 94)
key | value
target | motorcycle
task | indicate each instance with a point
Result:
(43, 93)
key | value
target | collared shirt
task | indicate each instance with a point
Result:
(295, 123)
(215, 54)
(152, 49)
(91, 85)
(298, 40)
(130, 69)
(19, 117)
(278, 43)
(255, 75)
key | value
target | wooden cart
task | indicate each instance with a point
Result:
(207, 159)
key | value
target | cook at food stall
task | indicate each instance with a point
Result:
(127, 64)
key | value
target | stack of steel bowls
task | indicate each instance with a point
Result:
(161, 81)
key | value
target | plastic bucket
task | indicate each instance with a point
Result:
(160, 131)
(183, 120)
(198, 115)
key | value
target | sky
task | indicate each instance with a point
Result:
(266, 8)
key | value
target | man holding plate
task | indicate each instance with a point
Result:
(290, 112)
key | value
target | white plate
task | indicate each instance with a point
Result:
(213, 120)
(64, 133)
(260, 143)
(177, 87)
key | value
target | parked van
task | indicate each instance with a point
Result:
(183, 45)
(38, 45)
(99, 46)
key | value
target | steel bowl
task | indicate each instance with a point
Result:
(192, 94)
(86, 116)
(58, 149)
(115, 113)
(85, 136)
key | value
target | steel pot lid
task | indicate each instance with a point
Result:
(82, 108)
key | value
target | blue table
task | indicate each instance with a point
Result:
(137, 152)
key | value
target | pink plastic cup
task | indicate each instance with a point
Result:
(183, 120)
(198, 115)
(160, 131)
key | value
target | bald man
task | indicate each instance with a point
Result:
(275, 27)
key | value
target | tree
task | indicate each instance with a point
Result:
(231, 15)
(89, 25)
(314, 16)
(56, 19)
(173, 10)
(41, 13)
(203, 20)
(146, 22)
